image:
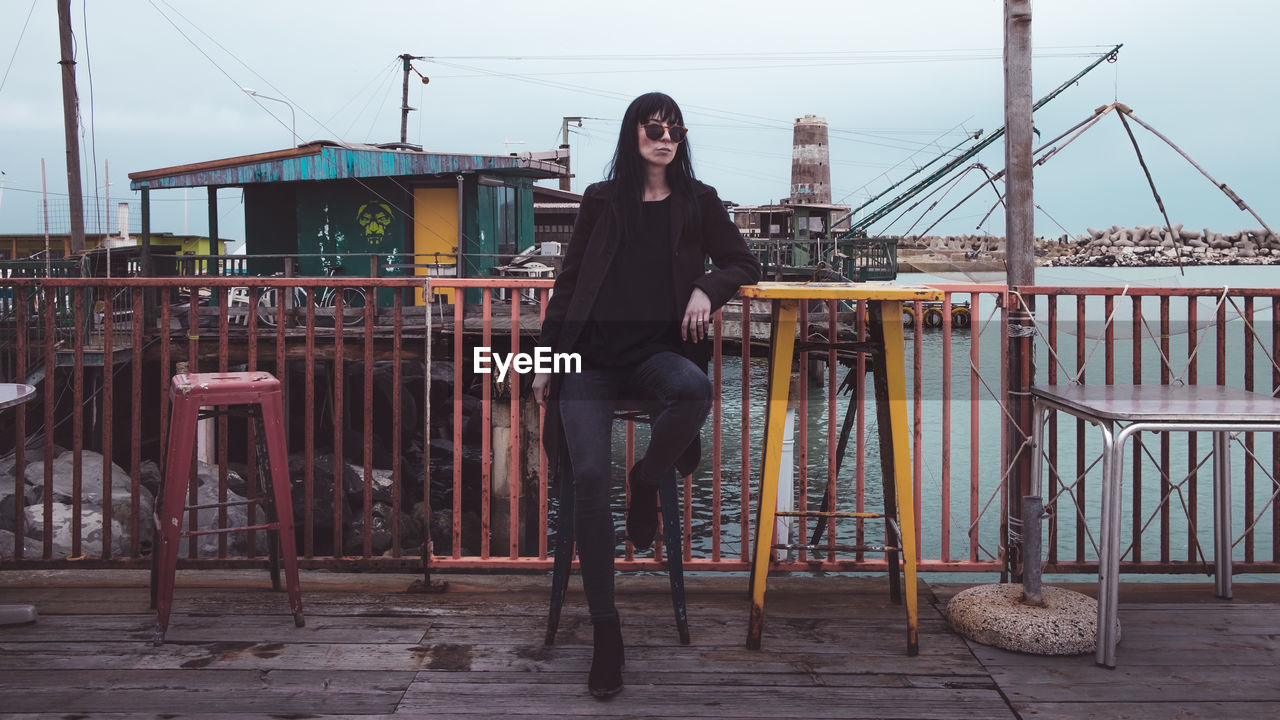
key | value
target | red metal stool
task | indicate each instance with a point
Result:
(188, 393)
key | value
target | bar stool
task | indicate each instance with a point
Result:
(668, 498)
(188, 392)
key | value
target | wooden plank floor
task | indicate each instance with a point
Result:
(834, 647)
(1183, 654)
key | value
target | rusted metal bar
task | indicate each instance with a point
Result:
(1250, 337)
(309, 429)
(224, 347)
(166, 366)
(73, 300)
(1220, 369)
(397, 422)
(1166, 485)
(193, 366)
(1193, 336)
(917, 422)
(106, 416)
(1055, 478)
(286, 392)
(1220, 344)
(974, 427)
(367, 413)
(456, 519)
(1139, 444)
(1275, 439)
(514, 479)
(945, 526)
(717, 427)
(744, 479)
(629, 460)
(1081, 486)
(21, 296)
(544, 295)
(832, 489)
(1145, 291)
(802, 433)
(1004, 438)
(486, 428)
(338, 390)
(860, 454)
(252, 479)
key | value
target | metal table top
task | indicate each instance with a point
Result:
(15, 394)
(1164, 403)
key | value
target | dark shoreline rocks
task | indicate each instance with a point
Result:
(1141, 246)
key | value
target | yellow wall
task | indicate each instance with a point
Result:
(435, 229)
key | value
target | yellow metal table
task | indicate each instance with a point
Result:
(884, 304)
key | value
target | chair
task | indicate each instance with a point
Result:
(188, 392)
(669, 499)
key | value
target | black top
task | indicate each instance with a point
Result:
(635, 315)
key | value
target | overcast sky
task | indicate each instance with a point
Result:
(899, 82)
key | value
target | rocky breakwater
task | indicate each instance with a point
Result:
(1155, 245)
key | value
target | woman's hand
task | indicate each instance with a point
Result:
(541, 382)
(697, 317)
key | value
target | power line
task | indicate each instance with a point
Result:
(211, 60)
(93, 125)
(18, 44)
(381, 72)
(982, 53)
(771, 66)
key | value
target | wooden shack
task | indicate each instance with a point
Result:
(336, 205)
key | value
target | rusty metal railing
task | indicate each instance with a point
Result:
(1135, 336)
(448, 462)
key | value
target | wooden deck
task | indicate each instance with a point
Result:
(833, 648)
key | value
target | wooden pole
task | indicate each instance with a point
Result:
(564, 145)
(1018, 138)
(1020, 267)
(44, 212)
(407, 59)
(71, 126)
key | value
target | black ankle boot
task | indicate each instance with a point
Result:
(607, 659)
(642, 516)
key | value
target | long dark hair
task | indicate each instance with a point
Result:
(627, 167)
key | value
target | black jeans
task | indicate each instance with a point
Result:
(678, 397)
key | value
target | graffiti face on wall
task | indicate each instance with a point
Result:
(374, 219)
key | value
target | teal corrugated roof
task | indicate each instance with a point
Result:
(327, 161)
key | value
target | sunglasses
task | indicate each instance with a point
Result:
(654, 130)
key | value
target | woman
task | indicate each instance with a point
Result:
(634, 300)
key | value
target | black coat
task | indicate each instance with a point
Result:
(698, 232)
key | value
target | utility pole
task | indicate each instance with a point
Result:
(407, 59)
(564, 145)
(1020, 266)
(72, 127)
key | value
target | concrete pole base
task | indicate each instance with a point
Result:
(992, 615)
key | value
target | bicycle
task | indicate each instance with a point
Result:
(354, 300)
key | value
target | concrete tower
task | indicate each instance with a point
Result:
(810, 161)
